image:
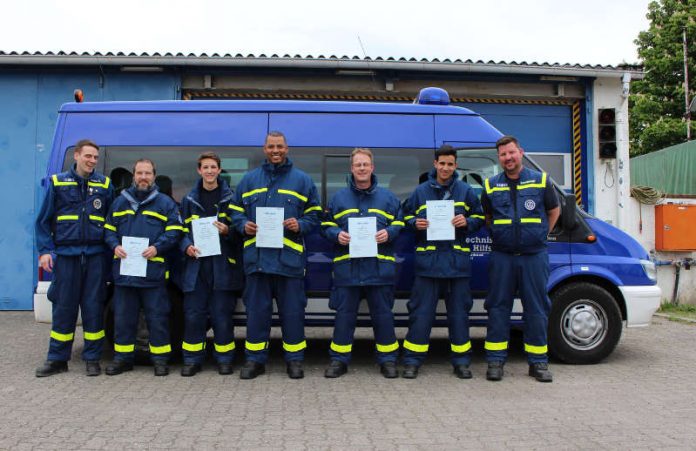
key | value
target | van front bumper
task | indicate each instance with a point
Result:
(641, 303)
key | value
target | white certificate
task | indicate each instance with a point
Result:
(362, 237)
(440, 215)
(206, 236)
(270, 227)
(134, 264)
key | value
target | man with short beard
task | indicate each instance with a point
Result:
(142, 211)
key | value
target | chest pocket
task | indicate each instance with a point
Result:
(155, 220)
(68, 194)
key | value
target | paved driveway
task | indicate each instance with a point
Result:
(642, 397)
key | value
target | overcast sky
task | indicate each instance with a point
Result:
(551, 31)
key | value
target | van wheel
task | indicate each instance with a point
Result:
(584, 324)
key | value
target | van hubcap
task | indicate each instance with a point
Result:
(584, 324)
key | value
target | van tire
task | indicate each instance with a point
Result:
(584, 325)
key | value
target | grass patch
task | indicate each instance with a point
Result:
(678, 311)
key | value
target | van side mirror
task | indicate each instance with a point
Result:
(568, 212)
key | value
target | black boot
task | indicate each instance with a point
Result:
(92, 368)
(495, 370)
(251, 369)
(51, 367)
(161, 369)
(118, 367)
(462, 371)
(336, 369)
(225, 368)
(388, 370)
(540, 372)
(294, 369)
(190, 370)
(410, 372)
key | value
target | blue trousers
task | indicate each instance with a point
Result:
(78, 284)
(422, 308)
(380, 300)
(526, 274)
(289, 293)
(202, 303)
(155, 303)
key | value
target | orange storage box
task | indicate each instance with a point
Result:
(675, 227)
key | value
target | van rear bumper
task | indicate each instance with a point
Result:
(641, 303)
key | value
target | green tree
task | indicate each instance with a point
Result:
(657, 101)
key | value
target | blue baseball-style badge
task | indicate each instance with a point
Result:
(97, 204)
(529, 204)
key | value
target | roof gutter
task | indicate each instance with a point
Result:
(318, 63)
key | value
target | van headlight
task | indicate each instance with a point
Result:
(649, 268)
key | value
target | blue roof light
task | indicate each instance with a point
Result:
(432, 96)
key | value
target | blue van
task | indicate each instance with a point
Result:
(600, 277)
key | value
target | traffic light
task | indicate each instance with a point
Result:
(607, 132)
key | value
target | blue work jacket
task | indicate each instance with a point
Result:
(444, 259)
(156, 218)
(276, 186)
(522, 226)
(227, 267)
(351, 202)
(72, 216)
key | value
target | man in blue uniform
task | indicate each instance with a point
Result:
(275, 272)
(358, 277)
(71, 225)
(142, 211)
(209, 282)
(443, 267)
(521, 208)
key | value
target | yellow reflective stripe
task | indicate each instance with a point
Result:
(495, 346)
(346, 212)
(224, 348)
(490, 190)
(57, 183)
(155, 215)
(100, 185)
(397, 223)
(94, 335)
(388, 348)
(62, 337)
(293, 193)
(535, 349)
(254, 191)
(329, 224)
(222, 215)
(249, 242)
(110, 227)
(386, 257)
(414, 347)
(186, 230)
(462, 204)
(294, 348)
(174, 227)
(460, 248)
(96, 218)
(478, 216)
(341, 257)
(122, 212)
(256, 346)
(193, 347)
(160, 349)
(291, 244)
(381, 212)
(166, 275)
(157, 259)
(341, 348)
(542, 184)
(124, 348)
(421, 208)
(530, 220)
(316, 208)
(502, 221)
(191, 218)
(67, 218)
(461, 348)
(236, 208)
(408, 217)
(426, 248)
(232, 260)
